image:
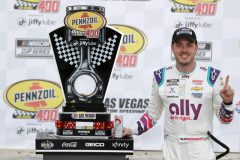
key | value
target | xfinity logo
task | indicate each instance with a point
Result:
(69, 145)
(94, 144)
(120, 145)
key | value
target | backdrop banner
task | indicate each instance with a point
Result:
(31, 88)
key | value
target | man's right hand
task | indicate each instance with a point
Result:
(127, 132)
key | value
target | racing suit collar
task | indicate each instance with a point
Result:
(185, 73)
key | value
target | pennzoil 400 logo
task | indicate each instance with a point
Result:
(200, 7)
(85, 23)
(134, 41)
(32, 98)
(45, 6)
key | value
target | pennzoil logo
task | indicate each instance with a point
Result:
(134, 41)
(45, 6)
(33, 95)
(200, 7)
(83, 22)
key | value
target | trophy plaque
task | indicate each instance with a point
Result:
(85, 50)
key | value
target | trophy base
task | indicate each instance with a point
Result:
(75, 156)
(61, 148)
(84, 107)
(84, 132)
(85, 117)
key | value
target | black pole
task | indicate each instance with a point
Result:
(221, 144)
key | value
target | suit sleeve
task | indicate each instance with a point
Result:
(152, 113)
(223, 112)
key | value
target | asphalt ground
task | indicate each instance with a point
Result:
(7, 154)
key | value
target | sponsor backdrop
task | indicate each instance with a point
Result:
(30, 85)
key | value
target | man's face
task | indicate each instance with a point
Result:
(184, 51)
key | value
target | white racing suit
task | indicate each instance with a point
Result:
(189, 102)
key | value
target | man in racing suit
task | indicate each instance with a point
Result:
(189, 94)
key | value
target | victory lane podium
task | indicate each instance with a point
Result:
(85, 50)
(61, 148)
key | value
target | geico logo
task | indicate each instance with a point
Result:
(94, 144)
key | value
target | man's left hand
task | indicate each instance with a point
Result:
(227, 93)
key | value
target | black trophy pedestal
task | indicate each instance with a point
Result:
(63, 156)
(80, 148)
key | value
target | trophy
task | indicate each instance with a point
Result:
(85, 50)
(85, 58)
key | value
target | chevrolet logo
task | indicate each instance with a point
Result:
(197, 88)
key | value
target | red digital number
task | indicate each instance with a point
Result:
(48, 6)
(46, 115)
(125, 60)
(208, 9)
(92, 33)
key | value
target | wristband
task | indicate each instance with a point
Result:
(229, 103)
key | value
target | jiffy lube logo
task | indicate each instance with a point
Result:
(133, 42)
(200, 7)
(32, 95)
(85, 23)
(182, 112)
(46, 6)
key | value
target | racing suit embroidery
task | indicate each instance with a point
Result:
(225, 115)
(145, 123)
(212, 75)
(184, 109)
(159, 76)
(197, 95)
